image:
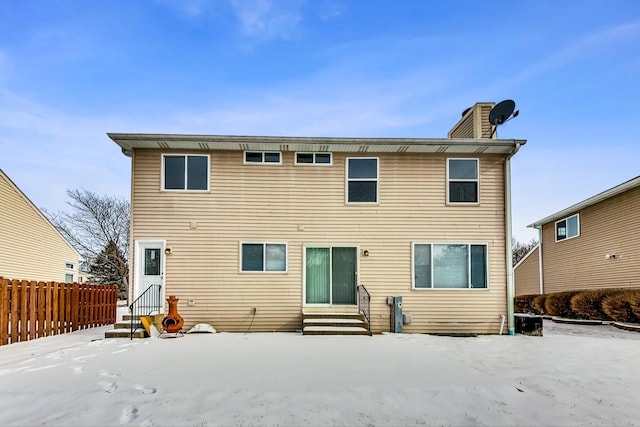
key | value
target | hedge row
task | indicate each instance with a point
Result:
(621, 305)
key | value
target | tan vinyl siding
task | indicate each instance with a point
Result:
(608, 227)
(465, 128)
(475, 123)
(31, 248)
(485, 126)
(527, 275)
(306, 205)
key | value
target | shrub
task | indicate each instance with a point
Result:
(524, 304)
(538, 303)
(558, 304)
(588, 304)
(619, 306)
(635, 306)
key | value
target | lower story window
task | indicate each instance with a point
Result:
(264, 257)
(68, 278)
(449, 266)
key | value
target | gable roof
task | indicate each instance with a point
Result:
(35, 208)
(618, 189)
(130, 141)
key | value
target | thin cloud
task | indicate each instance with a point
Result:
(266, 19)
(584, 47)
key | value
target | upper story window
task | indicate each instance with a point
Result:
(264, 257)
(568, 228)
(362, 180)
(186, 172)
(263, 157)
(321, 159)
(462, 181)
(68, 265)
(449, 266)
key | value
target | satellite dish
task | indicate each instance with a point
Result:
(502, 112)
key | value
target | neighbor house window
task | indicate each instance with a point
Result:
(267, 157)
(568, 228)
(313, 159)
(185, 172)
(264, 257)
(462, 180)
(362, 180)
(68, 265)
(449, 266)
(68, 278)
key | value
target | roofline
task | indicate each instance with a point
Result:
(40, 212)
(532, 250)
(129, 141)
(607, 194)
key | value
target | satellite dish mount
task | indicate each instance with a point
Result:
(501, 113)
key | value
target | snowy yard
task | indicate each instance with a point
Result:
(574, 375)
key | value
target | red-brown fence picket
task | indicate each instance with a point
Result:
(30, 309)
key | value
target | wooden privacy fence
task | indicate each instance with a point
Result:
(30, 309)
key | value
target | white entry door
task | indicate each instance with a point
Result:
(150, 269)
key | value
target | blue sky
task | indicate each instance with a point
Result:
(71, 71)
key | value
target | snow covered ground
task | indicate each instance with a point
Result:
(574, 375)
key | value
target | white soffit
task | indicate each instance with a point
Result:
(128, 142)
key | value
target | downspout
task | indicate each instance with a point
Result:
(540, 270)
(508, 232)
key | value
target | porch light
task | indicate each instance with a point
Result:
(167, 251)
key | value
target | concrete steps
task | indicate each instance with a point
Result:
(122, 329)
(334, 324)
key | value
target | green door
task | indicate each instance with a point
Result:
(331, 275)
(343, 275)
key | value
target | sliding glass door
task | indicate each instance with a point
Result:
(331, 275)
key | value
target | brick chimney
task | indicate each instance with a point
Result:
(474, 122)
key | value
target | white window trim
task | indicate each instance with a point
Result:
(314, 153)
(264, 257)
(477, 181)
(432, 288)
(347, 180)
(262, 162)
(173, 190)
(555, 228)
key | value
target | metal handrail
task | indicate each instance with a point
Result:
(364, 304)
(148, 302)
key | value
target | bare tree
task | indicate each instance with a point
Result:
(94, 226)
(519, 250)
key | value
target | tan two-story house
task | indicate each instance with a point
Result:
(252, 231)
(31, 248)
(590, 245)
